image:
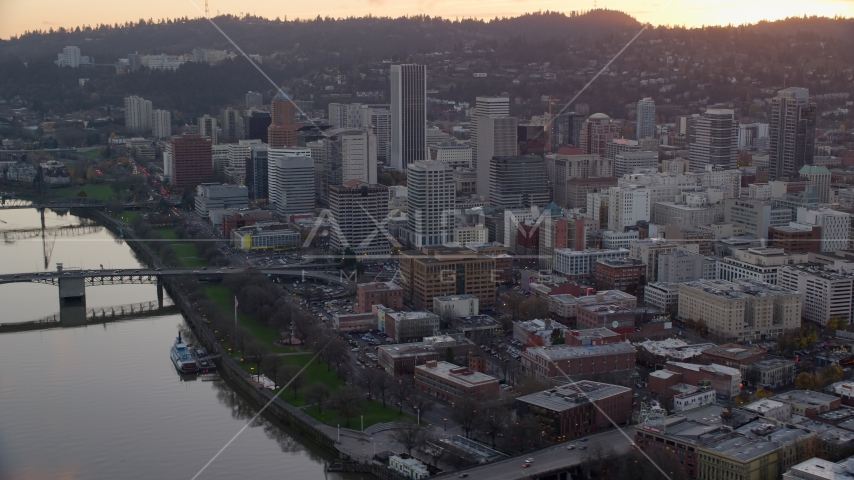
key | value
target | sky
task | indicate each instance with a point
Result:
(17, 16)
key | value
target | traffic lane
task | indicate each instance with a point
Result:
(547, 459)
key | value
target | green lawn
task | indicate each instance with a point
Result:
(185, 250)
(93, 153)
(373, 411)
(225, 299)
(129, 215)
(166, 232)
(96, 192)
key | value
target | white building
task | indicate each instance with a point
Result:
(290, 176)
(827, 294)
(161, 123)
(70, 57)
(468, 234)
(485, 106)
(377, 118)
(645, 118)
(649, 250)
(214, 196)
(627, 206)
(137, 114)
(456, 156)
(613, 240)
(834, 226)
(662, 295)
(254, 100)
(780, 411)
(680, 266)
(512, 219)
(238, 155)
(759, 263)
(409, 467)
(456, 306)
(715, 140)
(496, 137)
(219, 157)
(430, 200)
(579, 263)
(595, 203)
(629, 162)
(693, 399)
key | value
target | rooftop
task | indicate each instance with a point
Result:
(763, 406)
(771, 363)
(572, 395)
(823, 469)
(456, 373)
(564, 352)
(756, 439)
(673, 348)
(805, 397)
(732, 351)
(376, 286)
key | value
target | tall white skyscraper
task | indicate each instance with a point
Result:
(496, 137)
(290, 177)
(792, 132)
(486, 106)
(137, 114)
(646, 118)
(161, 123)
(408, 114)
(627, 206)
(430, 199)
(378, 119)
(714, 140)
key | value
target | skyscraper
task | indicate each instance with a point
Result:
(430, 198)
(161, 122)
(254, 100)
(486, 106)
(645, 119)
(792, 132)
(496, 137)
(256, 125)
(290, 180)
(518, 181)
(137, 114)
(358, 211)
(348, 154)
(282, 131)
(596, 133)
(256, 172)
(232, 125)
(408, 114)
(191, 162)
(566, 130)
(714, 140)
(378, 119)
(208, 128)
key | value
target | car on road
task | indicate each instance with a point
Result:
(583, 439)
(529, 460)
(17, 276)
(464, 475)
(571, 446)
(526, 464)
(583, 447)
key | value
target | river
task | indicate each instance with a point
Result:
(104, 401)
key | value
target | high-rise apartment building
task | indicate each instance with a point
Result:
(408, 114)
(596, 133)
(378, 119)
(208, 128)
(190, 159)
(232, 125)
(819, 176)
(254, 100)
(358, 211)
(137, 115)
(348, 154)
(486, 106)
(282, 131)
(161, 123)
(496, 137)
(834, 226)
(792, 132)
(238, 156)
(714, 140)
(430, 198)
(290, 180)
(255, 125)
(518, 181)
(645, 126)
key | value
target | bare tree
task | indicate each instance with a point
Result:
(270, 366)
(317, 392)
(525, 431)
(421, 403)
(347, 401)
(401, 389)
(254, 351)
(409, 435)
(368, 380)
(290, 374)
(382, 384)
(465, 414)
(493, 421)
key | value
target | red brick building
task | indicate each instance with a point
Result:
(402, 359)
(192, 163)
(561, 360)
(592, 337)
(450, 382)
(624, 274)
(570, 410)
(388, 294)
(477, 362)
(731, 355)
(243, 219)
(614, 317)
(725, 380)
(795, 240)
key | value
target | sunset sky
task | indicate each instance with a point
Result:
(17, 16)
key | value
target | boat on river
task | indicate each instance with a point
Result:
(182, 358)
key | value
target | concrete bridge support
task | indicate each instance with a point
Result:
(72, 290)
(159, 292)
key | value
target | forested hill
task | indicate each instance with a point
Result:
(373, 36)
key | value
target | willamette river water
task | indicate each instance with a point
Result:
(104, 401)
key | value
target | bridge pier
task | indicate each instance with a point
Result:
(72, 290)
(159, 292)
